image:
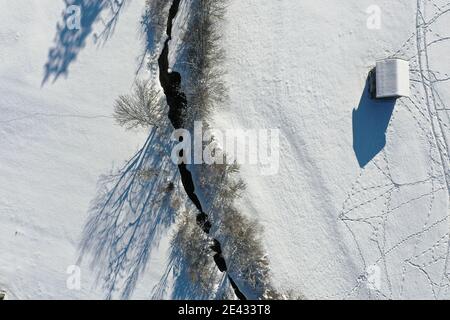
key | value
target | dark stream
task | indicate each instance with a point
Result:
(177, 102)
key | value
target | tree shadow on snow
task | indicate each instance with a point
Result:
(152, 24)
(178, 278)
(370, 123)
(69, 42)
(129, 215)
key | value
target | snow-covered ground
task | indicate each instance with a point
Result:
(351, 214)
(58, 137)
(358, 209)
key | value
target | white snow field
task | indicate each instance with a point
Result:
(360, 205)
(58, 138)
(358, 209)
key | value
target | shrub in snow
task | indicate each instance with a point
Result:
(203, 56)
(191, 246)
(244, 251)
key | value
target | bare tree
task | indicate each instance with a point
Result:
(143, 108)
